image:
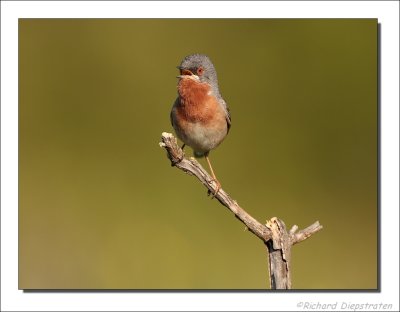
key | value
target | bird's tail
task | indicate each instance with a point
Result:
(198, 154)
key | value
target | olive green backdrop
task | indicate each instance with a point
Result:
(99, 204)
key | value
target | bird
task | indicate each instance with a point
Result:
(200, 116)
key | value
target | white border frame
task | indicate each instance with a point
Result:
(13, 299)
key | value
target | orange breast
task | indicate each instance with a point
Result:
(196, 104)
(197, 117)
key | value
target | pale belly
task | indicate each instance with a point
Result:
(200, 137)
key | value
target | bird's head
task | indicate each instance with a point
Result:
(199, 68)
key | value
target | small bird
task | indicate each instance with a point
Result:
(200, 116)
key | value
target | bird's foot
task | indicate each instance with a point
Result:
(217, 188)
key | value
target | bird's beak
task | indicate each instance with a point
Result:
(192, 77)
(185, 73)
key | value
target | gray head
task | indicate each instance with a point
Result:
(200, 67)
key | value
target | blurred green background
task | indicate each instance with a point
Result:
(99, 204)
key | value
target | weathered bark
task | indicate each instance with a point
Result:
(273, 234)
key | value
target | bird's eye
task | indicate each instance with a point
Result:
(200, 71)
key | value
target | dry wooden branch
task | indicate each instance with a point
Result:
(273, 233)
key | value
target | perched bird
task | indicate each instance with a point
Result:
(200, 116)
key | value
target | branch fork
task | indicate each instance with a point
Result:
(273, 234)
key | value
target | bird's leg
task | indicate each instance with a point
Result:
(218, 187)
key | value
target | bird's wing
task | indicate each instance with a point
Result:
(172, 111)
(228, 113)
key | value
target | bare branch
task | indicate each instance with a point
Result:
(273, 234)
(192, 167)
(306, 233)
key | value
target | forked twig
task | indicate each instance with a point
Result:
(273, 233)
